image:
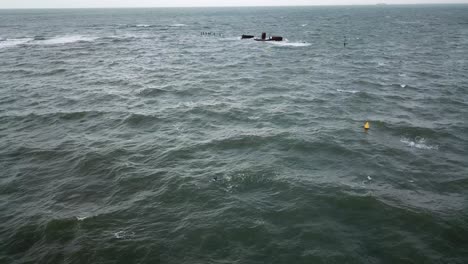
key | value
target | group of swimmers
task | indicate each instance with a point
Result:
(211, 34)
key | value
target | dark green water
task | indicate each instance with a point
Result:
(126, 136)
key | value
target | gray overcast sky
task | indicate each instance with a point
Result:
(176, 3)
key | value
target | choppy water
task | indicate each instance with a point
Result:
(126, 136)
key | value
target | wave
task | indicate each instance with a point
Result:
(133, 25)
(122, 38)
(81, 218)
(140, 120)
(124, 235)
(51, 117)
(151, 92)
(290, 44)
(7, 43)
(347, 91)
(39, 38)
(178, 25)
(368, 83)
(245, 140)
(231, 38)
(146, 26)
(17, 71)
(65, 40)
(419, 143)
(51, 72)
(60, 229)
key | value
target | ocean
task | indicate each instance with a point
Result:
(159, 136)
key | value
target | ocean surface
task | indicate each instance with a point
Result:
(159, 136)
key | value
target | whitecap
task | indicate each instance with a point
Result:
(304, 25)
(65, 40)
(7, 43)
(347, 91)
(402, 85)
(419, 143)
(143, 25)
(178, 25)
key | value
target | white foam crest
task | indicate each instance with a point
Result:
(178, 25)
(402, 85)
(289, 44)
(304, 25)
(419, 143)
(65, 40)
(6, 43)
(347, 91)
(143, 25)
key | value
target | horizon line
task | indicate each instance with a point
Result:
(308, 5)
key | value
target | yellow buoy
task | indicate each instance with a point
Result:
(366, 126)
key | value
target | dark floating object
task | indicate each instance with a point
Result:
(276, 38)
(264, 37)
